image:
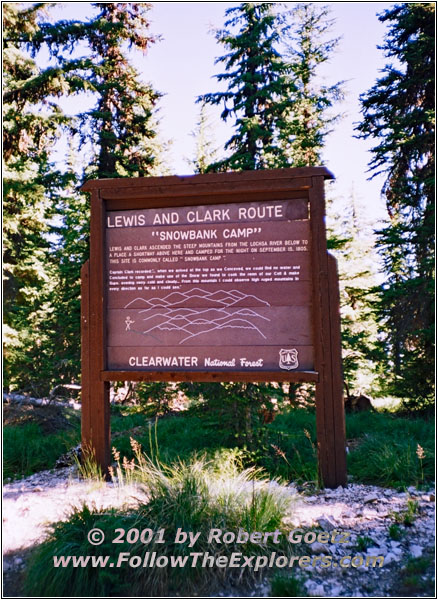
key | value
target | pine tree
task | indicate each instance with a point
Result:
(31, 185)
(398, 113)
(310, 114)
(351, 240)
(258, 89)
(119, 125)
(205, 152)
(117, 134)
(120, 131)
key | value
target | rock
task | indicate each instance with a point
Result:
(415, 550)
(390, 558)
(327, 523)
(370, 498)
(318, 548)
(316, 590)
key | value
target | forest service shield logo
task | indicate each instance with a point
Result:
(289, 359)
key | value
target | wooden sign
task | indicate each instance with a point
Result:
(218, 288)
(222, 277)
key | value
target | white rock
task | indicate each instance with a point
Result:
(415, 550)
(318, 548)
(390, 558)
(370, 498)
(327, 523)
(317, 590)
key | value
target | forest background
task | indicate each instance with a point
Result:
(77, 107)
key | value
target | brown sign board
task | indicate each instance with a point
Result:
(218, 288)
(222, 277)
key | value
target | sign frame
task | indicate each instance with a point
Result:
(201, 190)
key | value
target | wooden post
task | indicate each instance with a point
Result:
(339, 441)
(329, 392)
(85, 357)
(95, 392)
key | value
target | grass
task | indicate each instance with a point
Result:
(27, 450)
(389, 450)
(386, 452)
(416, 579)
(408, 516)
(196, 496)
(283, 586)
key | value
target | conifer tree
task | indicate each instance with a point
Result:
(205, 152)
(256, 98)
(351, 240)
(118, 132)
(117, 135)
(311, 112)
(311, 109)
(398, 113)
(31, 125)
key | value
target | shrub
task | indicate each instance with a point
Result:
(196, 497)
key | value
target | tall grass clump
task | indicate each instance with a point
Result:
(27, 450)
(196, 496)
(392, 460)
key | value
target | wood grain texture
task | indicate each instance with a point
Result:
(291, 176)
(176, 376)
(326, 393)
(85, 355)
(303, 185)
(337, 375)
(100, 415)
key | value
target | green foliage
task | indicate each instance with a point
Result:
(399, 115)
(116, 138)
(387, 459)
(364, 542)
(30, 186)
(386, 453)
(283, 586)
(408, 516)
(205, 151)
(70, 538)
(155, 398)
(235, 408)
(27, 450)
(310, 113)
(351, 239)
(197, 497)
(395, 532)
(258, 88)
(416, 578)
(290, 451)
